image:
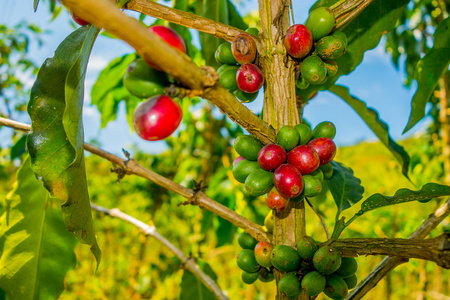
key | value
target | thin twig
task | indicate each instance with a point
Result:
(133, 167)
(390, 263)
(171, 61)
(185, 19)
(150, 230)
(320, 218)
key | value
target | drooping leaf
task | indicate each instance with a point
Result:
(36, 249)
(55, 142)
(108, 91)
(363, 33)
(193, 288)
(345, 188)
(381, 130)
(428, 191)
(428, 71)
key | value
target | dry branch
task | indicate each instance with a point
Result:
(435, 249)
(171, 61)
(195, 198)
(185, 19)
(188, 263)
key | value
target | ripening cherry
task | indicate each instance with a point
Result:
(288, 181)
(170, 36)
(271, 157)
(157, 118)
(325, 148)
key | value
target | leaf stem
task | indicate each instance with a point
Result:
(320, 218)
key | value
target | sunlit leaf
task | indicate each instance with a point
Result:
(428, 191)
(36, 249)
(55, 143)
(108, 91)
(193, 288)
(428, 71)
(345, 188)
(381, 130)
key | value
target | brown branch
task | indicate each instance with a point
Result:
(171, 61)
(185, 19)
(389, 263)
(150, 230)
(133, 167)
(435, 249)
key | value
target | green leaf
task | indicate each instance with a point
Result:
(193, 288)
(108, 91)
(35, 5)
(36, 249)
(345, 188)
(428, 71)
(363, 33)
(18, 148)
(428, 191)
(381, 130)
(216, 10)
(55, 142)
(234, 18)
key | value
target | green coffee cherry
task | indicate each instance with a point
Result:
(305, 133)
(246, 261)
(249, 278)
(227, 77)
(306, 247)
(313, 283)
(248, 147)
(313, 70)
(242, 169)
(326, 260)
(320, 22)
(245, 97)
(312, 186)
(290, 286)
(335, 288)
(324, 129)
(288, 137)
(246, 241)
(348, 267)
(285, 258)
(259, 182)
(330, 47)
(223, 54)
(351, 281)
(332, 67)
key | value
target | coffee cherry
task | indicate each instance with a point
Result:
(330, 47)
(243, 48)
(262, 253)
(246, 261)
(223, 54)
(227, 77)
(246, 241)
(79, 20)
(271, 157)
(313, 186)
(325, 148)
(288, 181)
(326, 260)
(304, 158)
(324, 129)
(320, 22)
(327, 171)
(332, 67)
(298, 41)
(170, 36)
(157, 118)
(275, 201)
(249, 78)
(288, 137)
(143, 81)
(238, 159)
(245, 97)
(313, 70)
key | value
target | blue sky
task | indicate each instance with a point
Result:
(375, 81)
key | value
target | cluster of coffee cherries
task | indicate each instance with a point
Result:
(159, 116)
(238, 72)
(289, 170)
(317, 49)
(308, 268)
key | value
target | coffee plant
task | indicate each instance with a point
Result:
(280, 159)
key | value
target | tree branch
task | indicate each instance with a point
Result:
(389, 263)
(435, 249)
(188, 263)
(171, 61)
(194, 197)
(185, 19)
